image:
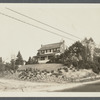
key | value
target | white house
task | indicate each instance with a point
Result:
(49, 50)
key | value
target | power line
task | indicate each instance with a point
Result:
(42, 23)
(35, 26)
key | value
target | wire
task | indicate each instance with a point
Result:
(42, 23)
(34, 25)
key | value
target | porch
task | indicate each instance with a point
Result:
(44, 58)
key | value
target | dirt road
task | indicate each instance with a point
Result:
(10, 85)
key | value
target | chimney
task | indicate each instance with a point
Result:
(41, 45)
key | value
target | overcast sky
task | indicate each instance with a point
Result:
(81, 20)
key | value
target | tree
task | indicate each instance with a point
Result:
(2, 68)
(30, 61)
(79, 50)
(76, 55)
(19, 60)
(8, 67)
(90, 46)
(13, 66)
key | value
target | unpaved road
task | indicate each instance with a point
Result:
(10, 85)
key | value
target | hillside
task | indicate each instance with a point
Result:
(40, 67)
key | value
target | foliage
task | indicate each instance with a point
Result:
(68, 62)
(78, 49)
(78, 55)
(96, 68)
(75, 55)
(30, 61)
(8, 67)
(19, 60)
(2, 67)
(11, 67)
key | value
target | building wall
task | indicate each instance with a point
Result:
(62, 47)
(58, 51)
(54, 50)
(43, 61)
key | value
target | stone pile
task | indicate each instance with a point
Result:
(60, 76)
(44, 76)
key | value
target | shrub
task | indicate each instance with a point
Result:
(81, 64)
(68, 62)
(52, 71)
(75, 64)
(66, 69)
(59, 70)
(86, 66)
(95, 69)
(2, 67)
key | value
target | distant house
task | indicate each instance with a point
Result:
(47, 51)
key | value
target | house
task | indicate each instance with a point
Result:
(48, 51)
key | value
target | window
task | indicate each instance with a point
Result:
(50, 50)
(58, 49)
(42, 58)
(54, 50)
(42, 52)
(49, 57)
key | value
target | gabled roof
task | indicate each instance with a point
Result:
(51, 46)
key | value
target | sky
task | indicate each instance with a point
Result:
(81, 20)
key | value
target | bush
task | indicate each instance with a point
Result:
(95, 69)
(66, 69)
(2, 67)
(95, 66)
(68, 62)
(75, 64)
(81, 64)
(59, 70)
(52, 71)
(87, 66)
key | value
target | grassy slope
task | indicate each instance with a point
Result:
(47, 67)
